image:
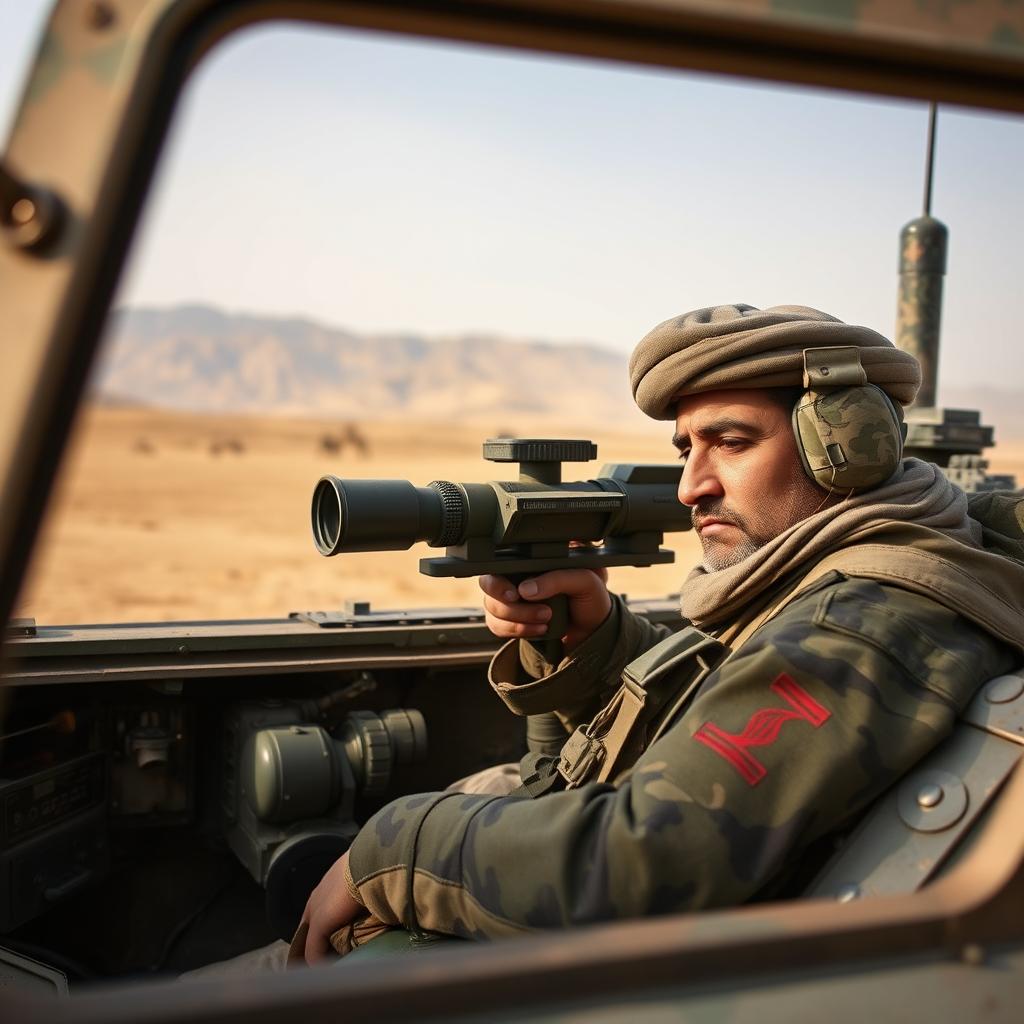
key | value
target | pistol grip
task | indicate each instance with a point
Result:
(549, 646)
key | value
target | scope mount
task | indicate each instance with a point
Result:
(540, 459)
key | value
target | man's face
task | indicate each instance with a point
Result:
(743, 478)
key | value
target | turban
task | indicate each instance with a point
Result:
(742, 347)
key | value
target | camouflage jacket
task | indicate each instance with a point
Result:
(818, 712)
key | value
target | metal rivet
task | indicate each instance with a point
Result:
(31, 218)
(183, 648)
(23, 211)
(825, 371)
(973, 954)
(1003, 689)
(848, 893)
(100, 16)
(931, 800)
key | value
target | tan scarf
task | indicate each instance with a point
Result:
(917, 506)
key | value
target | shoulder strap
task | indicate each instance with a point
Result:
(664, 676)
(914, 568)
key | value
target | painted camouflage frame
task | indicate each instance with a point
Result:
(89, 131)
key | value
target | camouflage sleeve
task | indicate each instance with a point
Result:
(584, 681)
(817, 714)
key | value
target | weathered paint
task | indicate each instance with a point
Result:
(923, 245)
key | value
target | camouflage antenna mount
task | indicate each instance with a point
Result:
(517, 528)
(923, 245)
(952, 438)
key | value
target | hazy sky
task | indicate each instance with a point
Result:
(384, 184)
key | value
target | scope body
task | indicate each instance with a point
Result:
(626, 509)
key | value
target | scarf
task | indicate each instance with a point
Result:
(917, 507)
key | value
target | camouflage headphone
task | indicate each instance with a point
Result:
(849, 433)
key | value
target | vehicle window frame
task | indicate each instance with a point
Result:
(70, 287)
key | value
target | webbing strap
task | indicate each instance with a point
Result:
(615, 735)
(631, 707)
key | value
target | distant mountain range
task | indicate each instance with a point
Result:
(201, 359)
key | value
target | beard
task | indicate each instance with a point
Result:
(799, 500)
(718, 557)
(717, 554)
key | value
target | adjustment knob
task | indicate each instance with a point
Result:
(368, 746)
(538, 449)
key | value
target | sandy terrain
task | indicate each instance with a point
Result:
(151, 523)
(158, 517)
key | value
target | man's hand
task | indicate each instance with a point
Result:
(330, 906)
(515, 612)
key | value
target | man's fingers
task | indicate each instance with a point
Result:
(521, 612)
(499, 588)
(519, 620)
(573, 582)
(512, 630)
(317, 943)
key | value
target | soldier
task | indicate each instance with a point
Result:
(846, 610)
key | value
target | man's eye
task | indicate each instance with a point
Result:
(683, 455)
(733, 444)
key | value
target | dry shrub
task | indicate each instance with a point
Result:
(227, 445)
(350, 438)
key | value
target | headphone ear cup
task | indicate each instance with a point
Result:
(848, 439)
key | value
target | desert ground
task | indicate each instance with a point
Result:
(168, 516)
(172, 516)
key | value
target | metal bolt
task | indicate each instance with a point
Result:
(30, 218)
(972, 954)
(100, 16)
(183, 648)
(930, 796)
(848, 893)
(23, 211)
(825, 371)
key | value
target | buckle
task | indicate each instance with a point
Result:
(580, 755)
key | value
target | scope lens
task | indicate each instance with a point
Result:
(328, 518)
(372, 515)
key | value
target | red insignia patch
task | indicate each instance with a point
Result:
(763, 728)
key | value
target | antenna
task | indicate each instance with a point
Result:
(933, 111)
(923, 245)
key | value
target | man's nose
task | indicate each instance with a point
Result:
(699, 480)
